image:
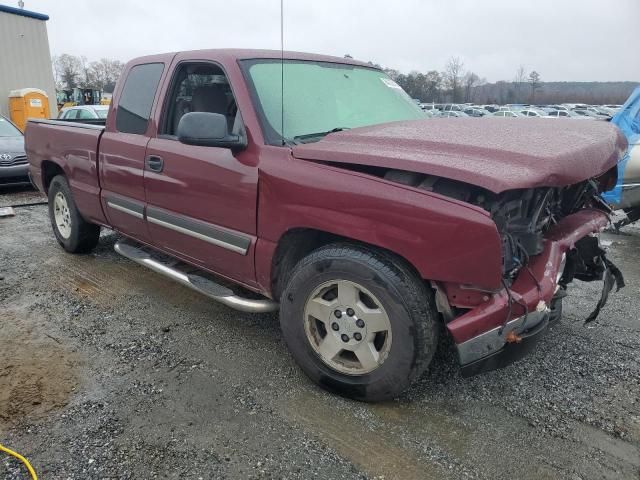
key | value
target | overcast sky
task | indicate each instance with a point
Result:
(561, 39)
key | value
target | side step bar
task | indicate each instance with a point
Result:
(198, 283)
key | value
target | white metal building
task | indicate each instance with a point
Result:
(25, 59)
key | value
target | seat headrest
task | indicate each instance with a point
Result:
(210, 98)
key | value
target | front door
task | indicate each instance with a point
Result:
(201, 201)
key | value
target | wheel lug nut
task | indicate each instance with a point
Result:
(335, 326)
(345, 338)
(357, 336)
(338, 313)
(350, 312)
(360, 323)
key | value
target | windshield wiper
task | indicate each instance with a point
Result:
(307, 136)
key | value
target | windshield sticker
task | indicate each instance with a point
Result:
(390, 83)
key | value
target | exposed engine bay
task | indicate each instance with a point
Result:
(524, 216)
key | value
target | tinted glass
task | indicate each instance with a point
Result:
(137, 97)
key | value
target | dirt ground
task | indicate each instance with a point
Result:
(108, 370)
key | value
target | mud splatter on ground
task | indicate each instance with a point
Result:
(37, 372)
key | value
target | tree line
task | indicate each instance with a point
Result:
(455, 85)
(71, 71)
(452, 85)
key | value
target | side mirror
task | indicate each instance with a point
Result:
(208, 130)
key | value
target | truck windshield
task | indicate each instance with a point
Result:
(8, 130)
(323, 97)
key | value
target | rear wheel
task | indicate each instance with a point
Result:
(73, 232)
(358, 321)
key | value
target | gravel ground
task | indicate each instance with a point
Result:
(111, 371)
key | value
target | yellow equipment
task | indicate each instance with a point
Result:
(27, 103)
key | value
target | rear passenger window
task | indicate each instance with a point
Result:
(134, 106)
(84, 114)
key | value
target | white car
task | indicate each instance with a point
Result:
(84, 112)
(505, 114)
(567, 114)
(530, 112)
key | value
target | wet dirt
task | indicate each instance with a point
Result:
(137, 377)
(37, 372)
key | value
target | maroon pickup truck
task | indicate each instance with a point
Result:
(372, 229)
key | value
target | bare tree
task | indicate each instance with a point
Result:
(68, 69)
(452, 75)
(535, 83)
(470, 80)
(433, 84)
(104, 73)
(519, 81)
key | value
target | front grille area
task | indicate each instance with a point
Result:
(17, 160)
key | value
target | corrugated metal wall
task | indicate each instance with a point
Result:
(25, 60)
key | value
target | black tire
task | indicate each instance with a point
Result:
(403, 295)
(84, 236)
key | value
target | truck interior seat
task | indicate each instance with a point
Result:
(211, 98)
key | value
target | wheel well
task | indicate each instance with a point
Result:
(49, 170)
(297, 243)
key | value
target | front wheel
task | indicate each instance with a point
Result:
(359, 321)
(73, 232)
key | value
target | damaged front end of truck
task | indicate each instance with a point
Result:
(550, 237)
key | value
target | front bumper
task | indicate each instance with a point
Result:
(502, 329)
(14, 174)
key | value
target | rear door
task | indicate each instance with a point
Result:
(201, 201)
(122, 149)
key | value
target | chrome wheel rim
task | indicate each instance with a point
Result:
(61, 215)
(347, 327)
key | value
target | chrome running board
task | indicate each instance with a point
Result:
(200, 284)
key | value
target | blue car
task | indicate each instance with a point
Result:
(626, 194)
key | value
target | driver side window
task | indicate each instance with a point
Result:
(199, 87)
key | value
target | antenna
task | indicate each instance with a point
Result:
(282, 69)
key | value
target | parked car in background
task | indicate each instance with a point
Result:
(452, 114)
(567, 114)
(14, 168)
(453, 107)
(84, 112)
(591, 113)
(562, 108)
(626, 194)
(532, 112)
(476, 112)
(506, 114)
(605, 110)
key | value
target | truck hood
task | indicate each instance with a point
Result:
(495, 154)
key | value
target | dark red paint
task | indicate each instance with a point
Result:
(265, 191)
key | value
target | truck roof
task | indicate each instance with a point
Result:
(249, 53)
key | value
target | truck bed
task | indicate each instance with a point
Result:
(72, 146)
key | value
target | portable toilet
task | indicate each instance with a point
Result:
(27, 103)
